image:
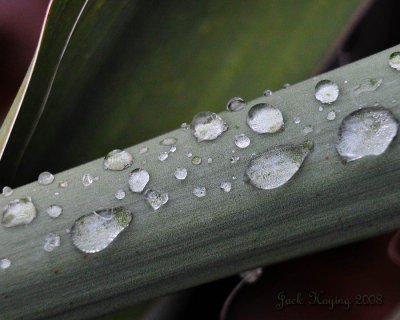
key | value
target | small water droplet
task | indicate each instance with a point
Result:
(180, 173)
(233, 151)
(138, 180)
(189, 155)
(155, 198)
(199, 192)
(264, 118)
(236, 104)
(143, 150)
(320, 108)
(5, 263)
(163, 156)
(345, 81)
(120, 194)
(207, 126)
(326, 91)
(365, 132)
(276, 166)
(196, 160)
(168, 141)
(251, 276)
(51, 242)
(94, 232)
(7, 191)
(286, 85)
(54, 211)
(117, 160)
(267, 93)
(234, 178)
(234, 159)
(184, 126)
(331, 115)
(172, 149)
(226, 186)
(45, 178)
(296, 120)
(394, 60)
(63, 184)
(18, 212)
(88, 179)
(242, 141)
(209, 160)
(56, 193)
(367, 85)
(308, 129)
(394, 101)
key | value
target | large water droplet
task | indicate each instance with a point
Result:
(120, 194)
(367, 131)
(54, 211)
(18, 212)
(5, 263)
(180, 173)
(7, 191)
(235, 104)
(45, 178)
(370, 84)
(207, 126)
(88, 179)
(163, 156)
(326, 91)
(276, 166)
(94, 232)
(196, 160)
(226, 186)
(138, 180)
(51, 242)
(117, 160)
(168, 141)
(242, 141)
(264, 118)
(199, 192)
(155, 198)
(394, 60)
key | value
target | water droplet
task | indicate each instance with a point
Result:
(267, 93)
(235, 104)
(138, 180)
(364, 132)
(88, 179)
(251, 276)
(184, 126)
(209, 160)
(199, 192)
(308, 129)
(264, 118)
(19, 211)
(394, 101)
(117, 160)
(331, 115)
(234, 159)
(120, 194)
(296, 120)
(234, 178)
(5, 263)
(172, 149)
(233, 151)
(163, 156)
(63, 184)
(320, 108)
(394, 60)
(45, 178)
(276, 166)
(180, 173)
(51, 242)
(143, 150)
(54, 211)
(155, 198)
(196, 160)
(7, 191)
(286, 85)
(345, 81)
(242, 141)
(56, 193)
(326, 91)
(168, 141)
(226, 186)
(207, 126)
(368, 85)
(189, 155)
(94, 232)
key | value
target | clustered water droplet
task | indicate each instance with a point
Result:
(155, 198)
(199, 192)
(394, 60)
(180, 173)
(365, 132)
(276, 166)
(51, 242)
(5, 263)
(226, 186)
(18, 212)
(54, 211)
(264, 118)
(207, 126)
(163, 156)
(120, 194)
(326, 91)
(7, 191)
(235, 104)
(168, 141)
(45, 178)
(242, 141)
(331, 115)
(117, 160)
(138, 180)
(94, 232)
(196, 160)
(88, 179)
